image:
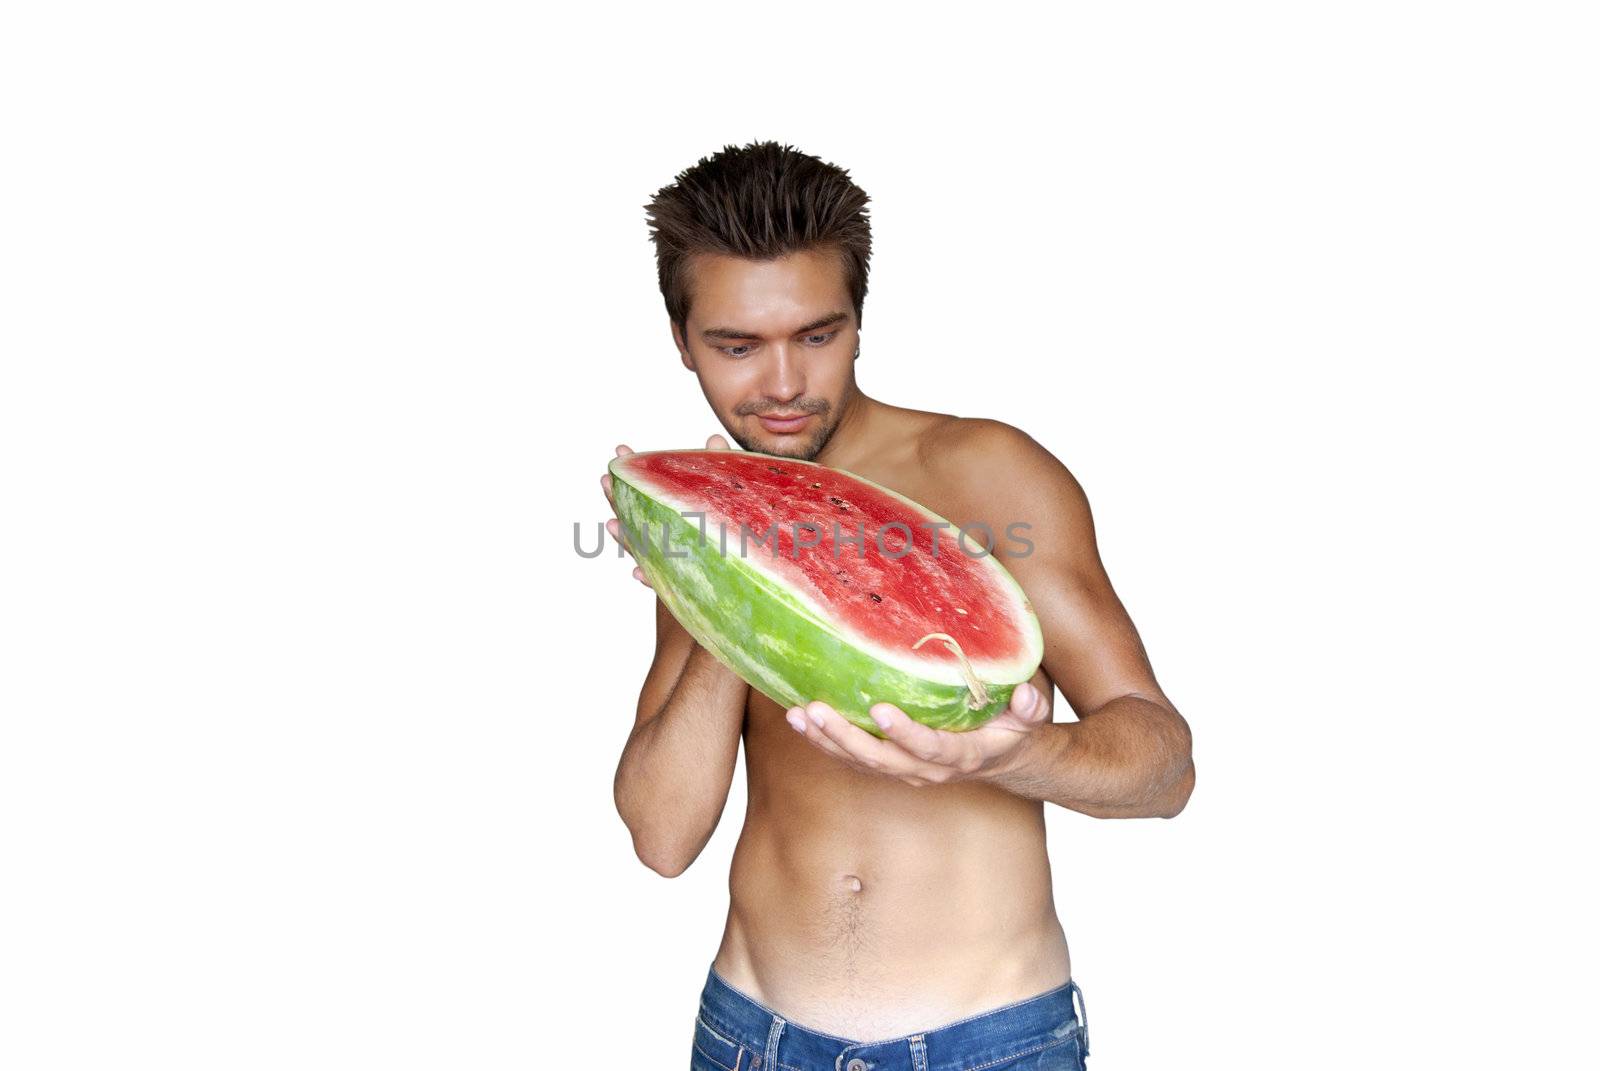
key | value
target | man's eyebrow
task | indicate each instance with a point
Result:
(734, 333)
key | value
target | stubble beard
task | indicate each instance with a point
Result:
(806, 451)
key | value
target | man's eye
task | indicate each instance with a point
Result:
(819, 340)
(737, 351)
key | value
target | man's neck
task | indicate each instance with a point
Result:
(861, 433)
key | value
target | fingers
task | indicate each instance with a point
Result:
(928, 744)
(796, 716)
(880, 756)
(717, 442)
(623, 449)
(827, 729)
(638, 574)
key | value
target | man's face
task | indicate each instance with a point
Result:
(773, 344)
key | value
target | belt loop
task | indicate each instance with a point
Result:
(1083, 1017)
(770, 1060)
(919, 1053)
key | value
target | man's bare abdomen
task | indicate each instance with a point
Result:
(869, 909)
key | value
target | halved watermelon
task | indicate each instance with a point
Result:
(944, 636)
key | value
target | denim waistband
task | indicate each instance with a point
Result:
(1031, 1025)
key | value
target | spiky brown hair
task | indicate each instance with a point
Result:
(763, 201)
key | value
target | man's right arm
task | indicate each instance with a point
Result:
(673, 778)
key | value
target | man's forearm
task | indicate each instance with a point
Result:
(673, 777)
(1128, 759)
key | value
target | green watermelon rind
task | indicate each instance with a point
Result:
(774, 641)
(1019, 666)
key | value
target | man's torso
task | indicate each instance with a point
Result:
(865, 907)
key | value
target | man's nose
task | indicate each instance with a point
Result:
(786, 374)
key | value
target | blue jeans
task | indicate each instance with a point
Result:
(734, 1032)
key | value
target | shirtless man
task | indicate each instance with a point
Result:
(890, 899)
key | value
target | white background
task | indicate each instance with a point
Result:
(320, 321)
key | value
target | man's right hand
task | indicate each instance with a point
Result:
(715, 442)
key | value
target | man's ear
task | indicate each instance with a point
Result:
(683, 349)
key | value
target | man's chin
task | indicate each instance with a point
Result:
(789, 446)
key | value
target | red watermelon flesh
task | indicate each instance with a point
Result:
(885, 602)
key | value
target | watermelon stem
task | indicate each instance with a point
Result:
(978, 695)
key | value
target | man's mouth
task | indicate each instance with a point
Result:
(784, 423)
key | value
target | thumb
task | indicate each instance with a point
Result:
(1027, 704)
(717, 442)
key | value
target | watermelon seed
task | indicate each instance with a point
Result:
(738, 486)
(874, 596)
(816, 487)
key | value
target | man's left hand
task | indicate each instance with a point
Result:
(918, 755)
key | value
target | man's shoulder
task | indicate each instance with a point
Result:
(959, 447)
(997, 470)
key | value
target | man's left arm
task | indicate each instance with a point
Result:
(1129, 753)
